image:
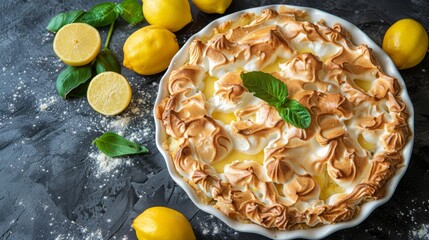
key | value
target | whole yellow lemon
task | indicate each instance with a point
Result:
(406, 42)
(212, 6)
(149, 50)
(171, 14)
(161, 223)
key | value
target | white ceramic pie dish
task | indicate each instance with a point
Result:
(358, 37)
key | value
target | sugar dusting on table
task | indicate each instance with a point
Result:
(421, 232)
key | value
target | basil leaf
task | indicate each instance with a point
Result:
(100, 15)
(295, 114)
(80, 91)
(130, 11)
(265, 87)
(62, 19)
(114, 145)
(107, 61)
(274, 92)
(71, 77)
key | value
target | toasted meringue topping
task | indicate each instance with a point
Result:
(237, 152)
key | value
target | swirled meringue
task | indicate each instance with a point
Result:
(306, 177)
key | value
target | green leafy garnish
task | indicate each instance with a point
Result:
(63, 19)
(71, 78)
(107, 61)
(274, 92)
(131, 11)
(114, 145)
(100, 15)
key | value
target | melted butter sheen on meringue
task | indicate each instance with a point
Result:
(237, 152)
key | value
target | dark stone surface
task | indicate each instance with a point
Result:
(51, 182)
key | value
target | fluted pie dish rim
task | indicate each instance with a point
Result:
(358, 37)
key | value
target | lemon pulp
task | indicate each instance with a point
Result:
(77, 44)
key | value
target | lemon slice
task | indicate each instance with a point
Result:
(109, 93)
(77, 44)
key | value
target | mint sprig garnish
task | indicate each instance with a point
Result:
(274, 92)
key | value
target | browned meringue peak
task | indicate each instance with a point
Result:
(188, 108)
(220, 52)
(174, 126)
(196, 52)
(383, 166)
(397, 132)
(383, 85)
(273, 43)
(248, 207)
(370, 122)
(230, 88)
(330, 128)
(394, 103)
(179, 110)
(284, 15)
(302, 188)
(257, 119)
(347, 166)
(355, 95)
(209, 140)
(304, 67)
(245, 173)
(238, 30)
(278, 168)
(183, 158)
(322, 103)
(298, 159)
(187, 77)
(206, 178)
(338, 28)
(354, 59)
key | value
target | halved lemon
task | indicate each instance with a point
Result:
(77, 44)
(109, 93)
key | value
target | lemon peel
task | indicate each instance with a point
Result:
(149, 50)
(171, 14)
(406, 42)
(162, 223)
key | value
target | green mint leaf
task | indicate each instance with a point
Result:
(274, 92)
(107, 61)
(71, 77)
(265, 87)
(62, 19)
(114, 145)
(100, 15)
(295, 114)
(130, 11)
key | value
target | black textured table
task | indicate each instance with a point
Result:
(54, 184)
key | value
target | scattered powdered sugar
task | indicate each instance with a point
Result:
(211, 227)
(106, 164)
(422, 232)
(46, 102)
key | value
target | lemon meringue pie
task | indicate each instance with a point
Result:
(238, 154)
